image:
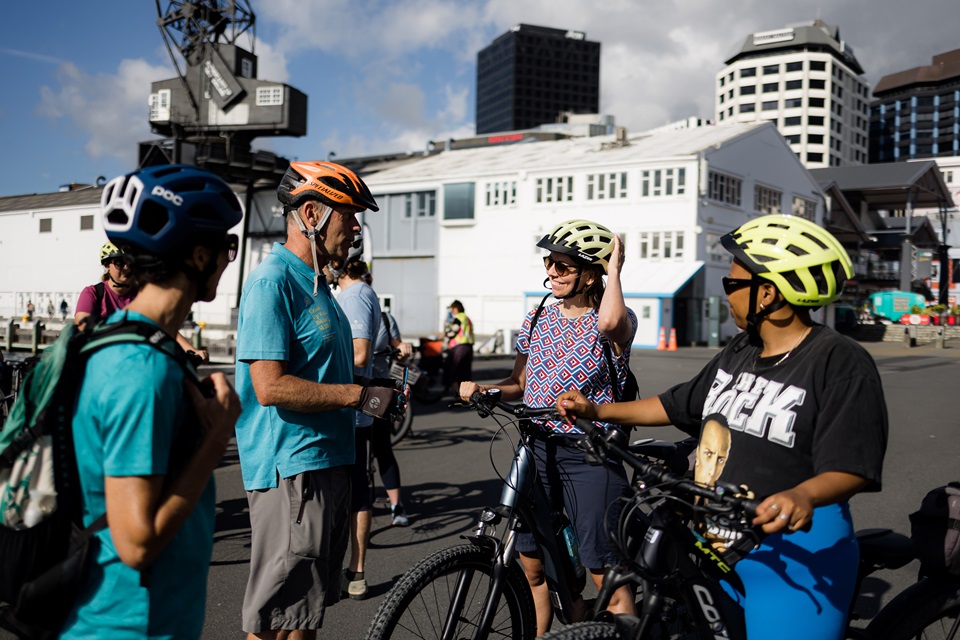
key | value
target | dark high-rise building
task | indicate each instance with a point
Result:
(530, 75)
(915, 113)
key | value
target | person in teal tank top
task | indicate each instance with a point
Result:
(147, 441)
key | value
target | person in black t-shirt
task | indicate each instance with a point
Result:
(807, 420)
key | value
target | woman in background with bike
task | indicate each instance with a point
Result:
(561, 346)
(807, 421)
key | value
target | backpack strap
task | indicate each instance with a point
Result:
(98, 293)
(614, 379)
(536, 316)
(138, 332)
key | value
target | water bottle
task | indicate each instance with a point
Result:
(573, 549)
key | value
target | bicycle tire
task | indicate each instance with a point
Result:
(415, 606)
(584, 631)
(926, 609)
(400, 428)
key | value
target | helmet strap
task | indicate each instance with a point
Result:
(573, 294)
(755, 317)
(311, 235)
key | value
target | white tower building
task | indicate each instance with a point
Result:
(805, 80)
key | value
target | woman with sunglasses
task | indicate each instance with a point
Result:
(573, 344)
(807, 420)
(118, 287)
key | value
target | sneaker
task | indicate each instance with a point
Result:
(399, 519)
(352, 586)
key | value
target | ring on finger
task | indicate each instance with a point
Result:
(783, 516)
(775, 506)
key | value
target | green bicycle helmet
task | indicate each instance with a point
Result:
(804, 261)
(109, 251)
(586, 242)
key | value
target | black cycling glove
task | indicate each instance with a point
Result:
(385, 403)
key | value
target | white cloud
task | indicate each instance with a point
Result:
(111, 109)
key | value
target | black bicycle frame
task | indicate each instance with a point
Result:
(526, 507)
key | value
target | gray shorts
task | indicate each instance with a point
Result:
(299, 534)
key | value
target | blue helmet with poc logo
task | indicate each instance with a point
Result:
(166, 209)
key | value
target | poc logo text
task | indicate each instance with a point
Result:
(167, 195)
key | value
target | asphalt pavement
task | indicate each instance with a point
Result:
(450, 471)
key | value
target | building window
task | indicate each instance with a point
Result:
(748, 90)
(815, 121)
(46, 225)
(792, 103)
(771, 87)
(815, 138)
(607, 186)
(458, 201)
(246, 67)
(666, 245)
(558, 189)
(818, 65)
(748, 108)
(766, 200)
(771, 68)
(815, 102)
(663, 182)
(501, 194)
(422, 204)
(814, 157)
(749, 72)
(792, 121)
(818, 84)
(795, 66)
(793, 84)
(86, 223)
(804, 208)
(270, 96)
(724, 188)
(715, 250)
(793, 139)
(160, 106)
(769, 105)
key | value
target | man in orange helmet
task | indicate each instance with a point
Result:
(295, 379)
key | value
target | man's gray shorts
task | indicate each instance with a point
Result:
(298, 536)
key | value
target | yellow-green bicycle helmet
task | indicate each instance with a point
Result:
(805, 262)
(109, 251)
(586, 242)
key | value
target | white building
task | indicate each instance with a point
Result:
(463, 224)
(807, 81)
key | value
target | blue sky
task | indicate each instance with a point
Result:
(390, 75)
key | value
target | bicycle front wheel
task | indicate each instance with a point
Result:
(400, 428)
(928, 609)
(447, 591)
(585, 631)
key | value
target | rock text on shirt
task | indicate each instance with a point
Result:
(756, 406)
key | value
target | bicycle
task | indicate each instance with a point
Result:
(12, 375)
(478, 590)
(677, 572)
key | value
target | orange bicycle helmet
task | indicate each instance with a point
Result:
(332, 184)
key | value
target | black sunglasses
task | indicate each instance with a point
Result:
(232, 244)
(735, 284)
(119, 263)
(562, 268)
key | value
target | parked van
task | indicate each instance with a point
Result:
(893, 304)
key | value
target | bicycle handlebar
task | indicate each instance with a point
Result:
(726, 496)
(484, 402)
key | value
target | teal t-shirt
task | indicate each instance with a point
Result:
(130, 408)
(280, 319)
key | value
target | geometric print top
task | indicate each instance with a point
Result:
(565, 354)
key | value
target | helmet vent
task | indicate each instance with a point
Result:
(118, 218)
(816, 240)
(797, 251)
(153, 218)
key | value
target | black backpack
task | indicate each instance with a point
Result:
(935, 531)
(42, 563)
(631, 389)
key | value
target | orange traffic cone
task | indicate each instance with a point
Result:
(662, 344)
(673, 340)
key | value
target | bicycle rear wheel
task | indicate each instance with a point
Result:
(929, 609)
(421, 603)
